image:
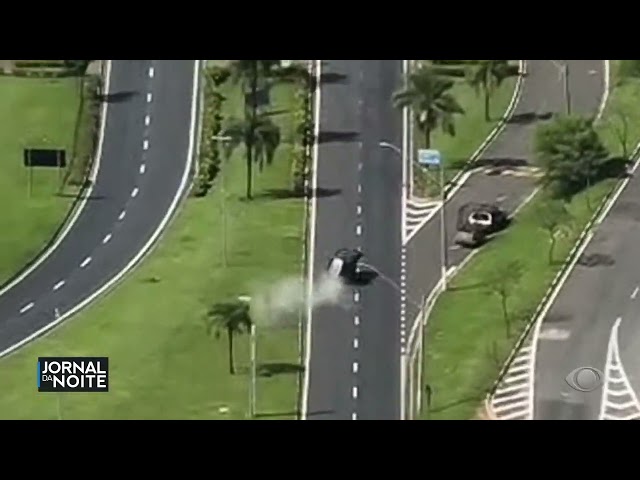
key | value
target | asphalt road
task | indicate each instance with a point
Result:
(602, 287)
(354, 366)
(542, 93)
(103, 242)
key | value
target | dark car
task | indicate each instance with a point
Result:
(477, 221)
(344, 264)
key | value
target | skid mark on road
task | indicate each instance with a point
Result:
(511, 400)
(418, 213)
(619, 401)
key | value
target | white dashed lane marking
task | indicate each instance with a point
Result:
(355, 367)
(354, 416)
(356, 320)
(85, 262)
(355, 343)
(149, 97)
(354, 392)
(143, 168)
(635, 293)
(106, 238)
(134, 192)
(145, 145)
(356, 297)
(122, 214)
(151, 72)
(359, 230)
(27, 307)
(58, 285)
(359, 188)
(147, 120)
(359, 210)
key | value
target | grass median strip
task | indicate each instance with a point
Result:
(37, 113)
(466, 343)
(471, 130)
(163, 364)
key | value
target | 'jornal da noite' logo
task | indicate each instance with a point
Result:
(73, 374)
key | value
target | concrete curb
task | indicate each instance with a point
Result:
(305, 244)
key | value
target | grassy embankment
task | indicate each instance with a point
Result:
(163, 365)
(471, 130)
(466, 333)
(40, 113)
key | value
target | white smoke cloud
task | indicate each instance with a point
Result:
(281, 302)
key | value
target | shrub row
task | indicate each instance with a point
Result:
(209, 158)
(86, 132)
(303, 118)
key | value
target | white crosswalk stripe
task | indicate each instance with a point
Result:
(418, 212)
(511, 399)
(619, 400)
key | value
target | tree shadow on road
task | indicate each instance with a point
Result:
(333, 136)
(117, 97)
(287, 193)
(528, 118)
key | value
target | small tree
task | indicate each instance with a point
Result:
(232, 317)
(619, 124)
(628, 69)
(502, 282)
(571, 155)
(553, 218)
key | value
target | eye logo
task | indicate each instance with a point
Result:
(585, 379)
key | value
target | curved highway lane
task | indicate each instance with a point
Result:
(542, 94)
(145, 164)
(602, 292)
(353, 372)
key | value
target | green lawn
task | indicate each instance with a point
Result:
(466, 339)
(35, 113)
(163, 365)
(471, 130)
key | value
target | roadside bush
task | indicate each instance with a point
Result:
(86, 132)
(209, 158)
(302, 137)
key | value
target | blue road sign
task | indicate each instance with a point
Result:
(429, 157)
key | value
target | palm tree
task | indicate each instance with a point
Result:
(428, 94)
(232, 317)
(261, 134)
(249, 74)
(487, 76)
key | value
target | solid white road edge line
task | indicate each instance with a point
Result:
(92, 177)
(147, 246)
(312, 241)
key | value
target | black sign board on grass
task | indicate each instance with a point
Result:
(40, 157)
